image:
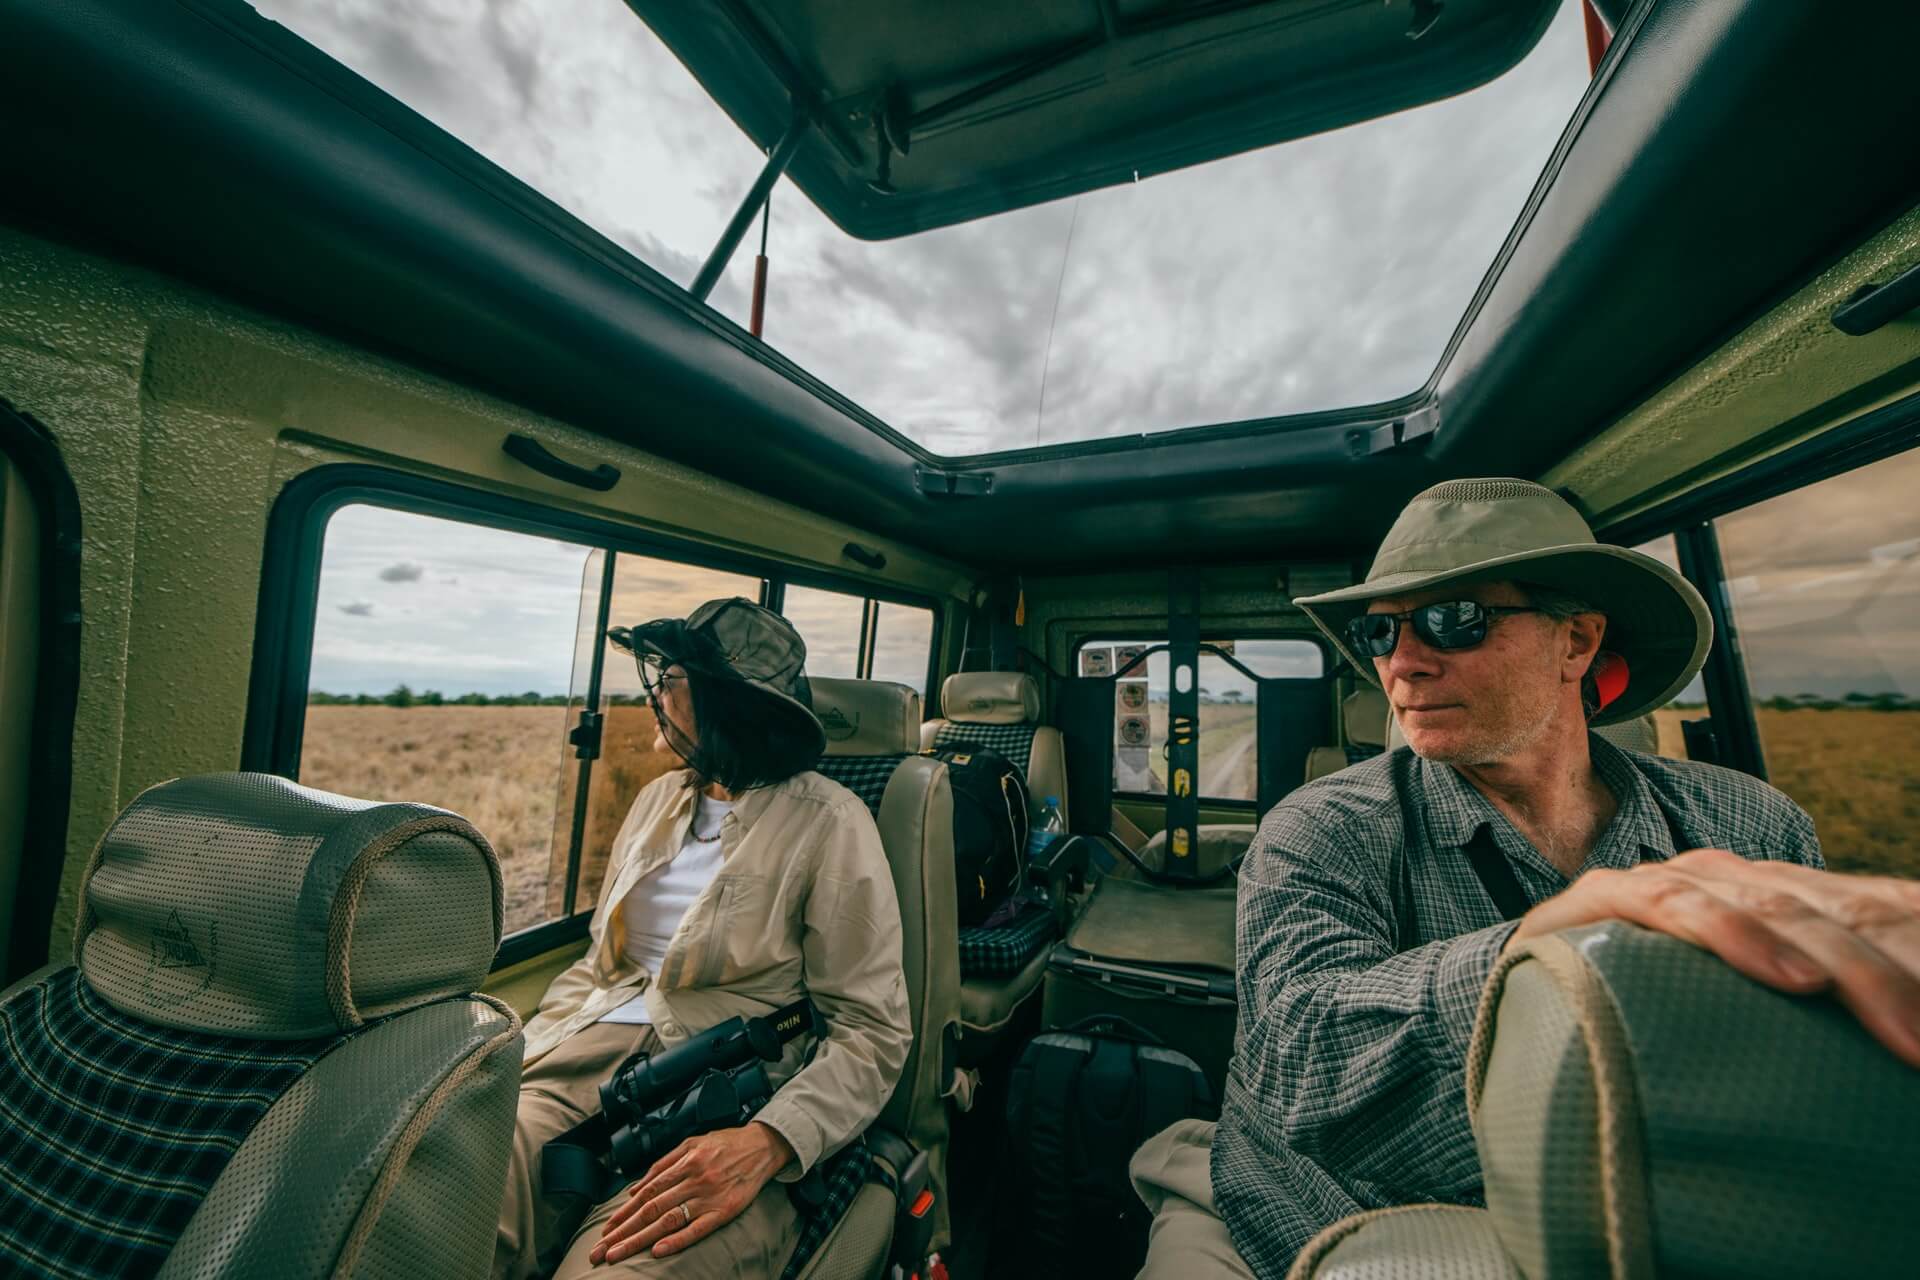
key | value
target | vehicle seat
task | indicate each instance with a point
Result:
(873, 740)
(268, 1060)
(1363, 717)
(1641, 1109)
(1000, 710)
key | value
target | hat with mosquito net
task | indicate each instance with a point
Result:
(1463, 532)
(734, 640)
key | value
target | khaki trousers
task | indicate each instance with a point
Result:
(1172, 1174)
(558, 1092)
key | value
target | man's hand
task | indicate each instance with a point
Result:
(1787, 926)
(715, 1176)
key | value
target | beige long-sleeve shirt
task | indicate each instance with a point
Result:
(803, 905)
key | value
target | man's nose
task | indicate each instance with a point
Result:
(1412, 658)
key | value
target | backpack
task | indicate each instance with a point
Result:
(989, 828)
(1080, 1103)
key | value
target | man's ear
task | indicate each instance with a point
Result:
(1585, 631)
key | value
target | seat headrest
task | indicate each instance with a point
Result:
(990, 697)
(867, 717)
(1364, 712)
(244, 904)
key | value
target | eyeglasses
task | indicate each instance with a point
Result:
(654, 676)
(1451, 624)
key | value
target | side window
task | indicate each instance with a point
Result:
(831, 623)
(855, 637)
(455, 664)
(1229, 704)
(1825, 590)
(901, 646)
(441, 659)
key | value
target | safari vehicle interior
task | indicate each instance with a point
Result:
(331, 445)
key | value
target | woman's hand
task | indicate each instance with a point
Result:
(692, 1191)
(1787, 926)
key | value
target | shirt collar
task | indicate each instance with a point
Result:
(1456, 812)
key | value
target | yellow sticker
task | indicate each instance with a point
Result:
(1182, 782)
(983, 887)
(1179, 842)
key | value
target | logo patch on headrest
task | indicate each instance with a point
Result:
(981, 704)
(179, 967)
(838, 727)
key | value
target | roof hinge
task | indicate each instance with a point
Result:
(953, 484)
(1412, 429)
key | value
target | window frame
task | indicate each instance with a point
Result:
(289, 597)
(1328, 665)
(778, 582)
(34, 451)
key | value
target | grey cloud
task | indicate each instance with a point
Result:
(405, 571)
(358, 609)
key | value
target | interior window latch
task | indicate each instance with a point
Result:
(585, 736)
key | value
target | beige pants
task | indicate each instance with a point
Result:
(1172, 1174)
(558, 1092)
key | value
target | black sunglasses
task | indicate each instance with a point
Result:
(1451, 624)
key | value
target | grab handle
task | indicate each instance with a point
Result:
(527, 450)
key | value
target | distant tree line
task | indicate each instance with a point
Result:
(1847, 702)
(404, 696)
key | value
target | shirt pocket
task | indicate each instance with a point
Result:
(742, 935)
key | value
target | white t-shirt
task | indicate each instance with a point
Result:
(659, 899)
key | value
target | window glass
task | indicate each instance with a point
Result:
(902, 645)
(1229, 703)
(1691, 702)
(1825, 590)
(644, 588)
(829, 621)
(441, 656)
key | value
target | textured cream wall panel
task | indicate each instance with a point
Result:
(1784, 379)
(181, 418)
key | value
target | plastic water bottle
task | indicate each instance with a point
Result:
(1047, 828)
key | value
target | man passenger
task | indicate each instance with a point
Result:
(1365, 933)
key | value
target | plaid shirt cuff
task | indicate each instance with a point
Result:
(1458, 980)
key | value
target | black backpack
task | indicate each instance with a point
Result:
(1080, 1103)
(989, 827)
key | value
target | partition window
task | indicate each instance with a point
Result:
(1229, 709)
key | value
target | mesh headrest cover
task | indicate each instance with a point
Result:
(244, 904)
(867, 717)
(990, 697)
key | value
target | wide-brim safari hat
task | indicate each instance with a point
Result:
(739, 641)
(1463, 532)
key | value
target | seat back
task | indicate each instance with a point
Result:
(268, 1059)
(873, 741)
(1000, 710)
(1642, 1109)
(1364, 718)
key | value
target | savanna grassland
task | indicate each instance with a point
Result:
(509, 771)
(1856, 771)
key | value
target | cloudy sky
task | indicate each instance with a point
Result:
(1323, 273)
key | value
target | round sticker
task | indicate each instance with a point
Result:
(1134, 731)
(1133, 694)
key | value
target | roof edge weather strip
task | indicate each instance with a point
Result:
(777, 161)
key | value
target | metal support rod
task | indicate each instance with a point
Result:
(583, 781)
(777, 162)
(1729, 696)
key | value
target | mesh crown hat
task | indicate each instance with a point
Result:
(1463, 532)
(733, 639)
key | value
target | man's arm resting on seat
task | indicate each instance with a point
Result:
(1355, 1052)
(1794, 928)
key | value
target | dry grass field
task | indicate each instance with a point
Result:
(509, 771)
(1856, 772)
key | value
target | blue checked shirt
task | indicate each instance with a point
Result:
(1364, 939)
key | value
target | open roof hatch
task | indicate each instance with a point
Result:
(924, 114)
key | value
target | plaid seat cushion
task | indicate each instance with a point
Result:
(1006, 949)
(865, 776)
(1014, 741)
(842, 1175)
(112, 1129)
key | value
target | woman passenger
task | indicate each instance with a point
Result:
(736, 885)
